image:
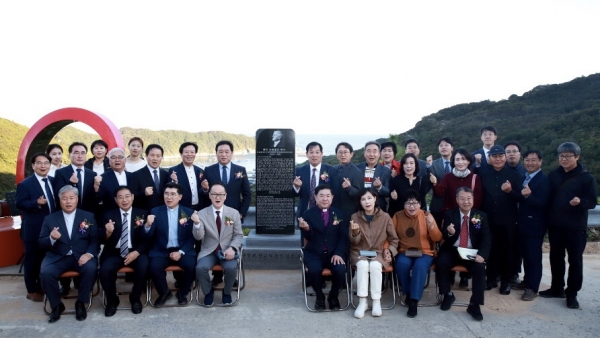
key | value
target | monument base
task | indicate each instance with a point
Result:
(272, 252)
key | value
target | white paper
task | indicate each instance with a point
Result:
(467, 254)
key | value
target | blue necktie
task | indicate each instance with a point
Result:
(224, 175)
(79, 185)
(51, 203)
(447, 167)
(527, 179)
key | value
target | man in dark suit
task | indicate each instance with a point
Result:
(531, 226)
(327, 244)
(107, 184)
(125, 244)
(439, 168)
(375, 175)
(35, 199)
(78, 176)
(349, 178)
(309, 176)
(71, 238)
(473, 233)
(188, 176)
(489, 134)
(148, 183)
(170, 229)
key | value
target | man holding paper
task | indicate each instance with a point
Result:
(464, 227)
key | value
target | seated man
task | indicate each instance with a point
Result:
(220, 230)
(473, 233)
(125, 244)
(71, 239)
(326, 236)
(169, 228)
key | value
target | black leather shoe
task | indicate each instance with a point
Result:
(236, 283)
(475, 312)
(550, 293)
(80, 311)
(334, 303)
(572, 302)
(64, 290)
(515, 280)
(490, 285)
(55, 314)
(320, 303)
(447, 302)
(505, 289)
(161, 300)
(181, 299)
(412, 308)
(111, 308)
(520, 286)
(136, 307)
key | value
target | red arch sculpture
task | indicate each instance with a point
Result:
(42, 132)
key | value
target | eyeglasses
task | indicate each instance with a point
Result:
(411, 204)
(171, 194)
(42, 163)
(218, 195)
(565, 157)
(124, 197)
(79, 153)
(120, 158)
(343, 152)
(512, 152)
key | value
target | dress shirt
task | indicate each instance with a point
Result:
(43, 185)
(129, 225)
(191, 174)
(121, 178)
(310, 173)
(228, 166)
(173, 223)
(462, 216)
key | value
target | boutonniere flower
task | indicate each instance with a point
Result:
(228, 221)
(325, 177)
(239, 175)
(336, 220)
(476, 220)
(201, 175)
(139, 221)
(183, 218)
(83, 226)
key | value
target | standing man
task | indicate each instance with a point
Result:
(188, 176)
(220, 231)
(513, 157)
(107, 184)
(327, 246)
(489, 134)
(309, 176)
(375, 175)
(350, 179)
(79, 177)
(531, 226)
(501, 193)
(35, 199)
(149, 183)
(125, 244)
(71, 238)
(388, 155)
(439, 168)
(411, 146)
(169, 228)
(473, 233)
(574, 192)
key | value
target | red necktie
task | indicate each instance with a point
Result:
(464, 233)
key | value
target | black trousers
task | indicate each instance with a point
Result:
(530, 248)
(315, 268)
(32, 262)
(447, 259)
(502, 256)
(111, 263)
(573, 241)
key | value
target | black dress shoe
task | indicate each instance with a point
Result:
(505, 289)
(181, 299)
(111, 308)
(80, 311)
(161, 300)
(55, 314)
(136, 307)
(490, 285)
(572, 302)
(447, 302)
(236, 283)
(64, 290)
(412, 308)
(520, 286)
(475, 312)
(550, 293)
(320, 303)
(515, 280)
(334, 303)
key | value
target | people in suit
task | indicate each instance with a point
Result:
(388, 155)
(468, 228)
(220, 230)
(107, 184)
(70, 237)
(326, 246)
(188, 176)
(531, 226)
(169, 228)
(349, 179)
(574, 192)
(35, 199)
(148, 183)
(125, 244)
(78, 176)
(375, 175)
(309, 176)
(438, 169)
(411, 146)
(99, 163)
(489, 134)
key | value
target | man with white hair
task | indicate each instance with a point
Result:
(107, 184)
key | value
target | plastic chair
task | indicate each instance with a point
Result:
(125, 270)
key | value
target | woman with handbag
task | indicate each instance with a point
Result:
(370, 228)
(417, 234)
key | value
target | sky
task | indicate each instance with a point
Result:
(318, 67)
